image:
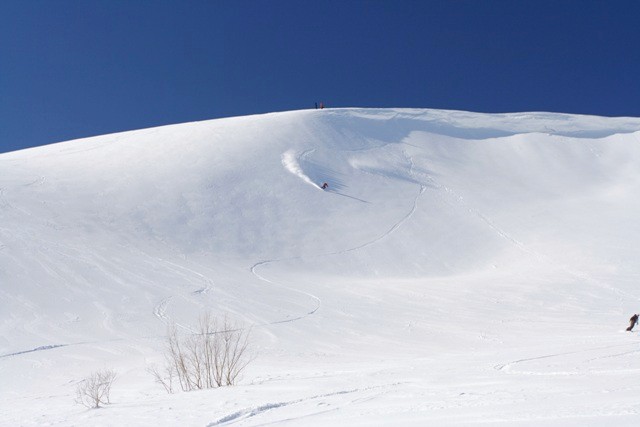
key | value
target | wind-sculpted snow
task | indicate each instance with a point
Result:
(459, 269)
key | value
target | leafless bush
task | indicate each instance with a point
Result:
(94, 390)
(214, 356)
(164, 376)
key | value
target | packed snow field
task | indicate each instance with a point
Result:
(459, 269)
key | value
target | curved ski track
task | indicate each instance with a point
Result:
(506, 367)
(244, 414)
(318, 301)
(159, 310)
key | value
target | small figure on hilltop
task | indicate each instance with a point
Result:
(634, 322)
(324, 186)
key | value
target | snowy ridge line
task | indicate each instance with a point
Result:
(255, 411)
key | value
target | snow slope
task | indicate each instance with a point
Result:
(460, 269)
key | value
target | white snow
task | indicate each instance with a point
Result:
(460, 269)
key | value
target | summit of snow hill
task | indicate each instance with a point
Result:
(458, 268)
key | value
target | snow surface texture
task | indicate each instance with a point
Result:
(460, 269)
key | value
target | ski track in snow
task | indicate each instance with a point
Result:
(247, 413)
(160, 310)
(38, 181)
(461, 202)
(202, 290)
(522, 246)
(398, 224)
(318, 302)
(41, 348)
(4, 203)
(3, 200)
(507, 367)
(292, 164)
(55, 346)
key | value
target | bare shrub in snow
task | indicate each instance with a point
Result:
(214, 356)
(94, 390)
(164, 376)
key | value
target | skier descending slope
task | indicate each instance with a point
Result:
(634, 322)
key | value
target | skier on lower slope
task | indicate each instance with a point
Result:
(634, 322)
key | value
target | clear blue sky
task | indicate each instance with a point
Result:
(71, 69)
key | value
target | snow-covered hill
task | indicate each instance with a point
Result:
(460, 268)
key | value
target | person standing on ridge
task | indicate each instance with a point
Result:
(634, 322)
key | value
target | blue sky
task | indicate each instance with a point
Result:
(72, 69)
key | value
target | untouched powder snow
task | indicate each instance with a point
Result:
(460, 269)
